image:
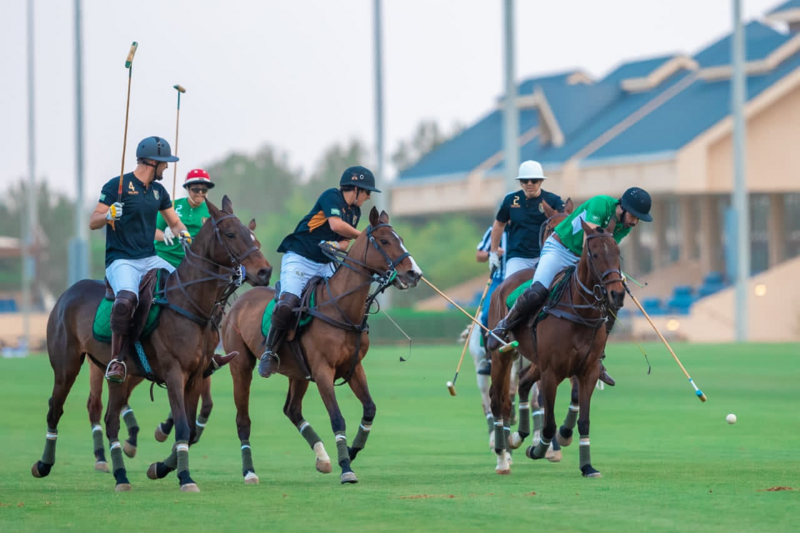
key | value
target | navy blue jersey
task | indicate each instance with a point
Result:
(486, 246)
(524, 217)
(132, 236)
(315, 226)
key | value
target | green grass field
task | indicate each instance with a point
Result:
(669, 462)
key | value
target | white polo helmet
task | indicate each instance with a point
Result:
(531, 170)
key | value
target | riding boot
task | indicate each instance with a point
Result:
(604, 377)
(282, 318)
(528, 303)
(485, 366)
(121, 324)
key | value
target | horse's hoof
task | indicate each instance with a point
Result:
(325, 467)
(160, 435)
(102, 466)
(123, 487)
(190, 487)
(554, 456)
(251, 478)
(514, 441)
(562, 441)
(129, 449)
(503, 471)
(152, 471)
(349, 477)
(589, 471)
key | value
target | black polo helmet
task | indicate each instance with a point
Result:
(637, 202)
(156, 149)
(360, 177)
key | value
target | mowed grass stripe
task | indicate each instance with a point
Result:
(669, 462)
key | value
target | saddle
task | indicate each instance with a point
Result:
(147, 289)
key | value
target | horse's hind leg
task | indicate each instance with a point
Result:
(526, 383)
(117, 397)
(95, 407)
(242, 373)
(65, 373)
(478, 353)
(358, 383)
(548, 385)
(564, 435)
(164, 428)
(129, 446)
(293, 409)
(205, 410)
(325, 377)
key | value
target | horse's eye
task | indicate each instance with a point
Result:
(230, 235)
(385, 242)
(594, 256)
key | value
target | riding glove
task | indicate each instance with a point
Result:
(114, 211)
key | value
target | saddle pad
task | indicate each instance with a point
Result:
(555, 291)
(266, 320)
(101, 328)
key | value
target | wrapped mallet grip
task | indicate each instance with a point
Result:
(179, 88)
(129, 61)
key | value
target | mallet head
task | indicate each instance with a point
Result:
(451, 388)
(131, 53)
(180, 88)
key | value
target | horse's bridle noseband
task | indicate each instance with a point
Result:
(602, 282)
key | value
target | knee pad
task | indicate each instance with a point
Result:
(122, 312)
(283, 315)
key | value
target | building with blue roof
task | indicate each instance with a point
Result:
(662, 123)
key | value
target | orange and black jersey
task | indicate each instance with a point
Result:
(315, 226)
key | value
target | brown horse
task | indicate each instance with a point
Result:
(498, 309)
(332, 345)
(95, 402)
(222, 256)
(568, 342)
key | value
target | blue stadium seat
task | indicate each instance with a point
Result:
(713, 282)
(653, 306)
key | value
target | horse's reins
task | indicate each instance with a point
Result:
(233, 276)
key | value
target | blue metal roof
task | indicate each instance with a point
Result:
(791, 4)
(585, 112)
(760, 41)
(640, 68)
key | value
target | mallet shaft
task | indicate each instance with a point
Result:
(129, 66)
(180, 90)
(506, 345)
(698, 392)
(452, 389)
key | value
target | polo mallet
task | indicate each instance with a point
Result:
(180, 90)
(506, 346)
(698, 392)
(451, 385)
(129, 66)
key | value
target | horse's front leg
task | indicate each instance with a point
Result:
(586, 384)
(293, 409)
(325, 378)
(358, 383)
(176, 389)
(95, 407)
(564, 435)
(548, 385)
(117, 397)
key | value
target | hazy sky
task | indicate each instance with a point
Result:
(299, 74)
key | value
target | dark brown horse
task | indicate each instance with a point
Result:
(333, 344)
(176, 352)
(567, 343)
(95, 402)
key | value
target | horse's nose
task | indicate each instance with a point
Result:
(264, 275)
(414, 276)
(617, 297)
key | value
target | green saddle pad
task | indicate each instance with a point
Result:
(266, 320)
(555, 291)
(101, 329)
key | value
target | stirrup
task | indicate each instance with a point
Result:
(124, 374)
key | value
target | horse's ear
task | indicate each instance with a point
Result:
(569, 207)
(252, 225)
(384, 218)
(374, 217)
(212, 209)
(611, 225)
(227, 206)
(548, 211)
(586, 227)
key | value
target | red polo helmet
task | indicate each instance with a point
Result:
(198, 176)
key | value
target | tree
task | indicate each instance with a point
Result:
(426, 137)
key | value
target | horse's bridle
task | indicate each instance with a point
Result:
(233, 277)
(601, 281)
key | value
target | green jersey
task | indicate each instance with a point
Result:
(192, 217)
(598, 210)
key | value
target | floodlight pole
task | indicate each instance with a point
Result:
(510, 113)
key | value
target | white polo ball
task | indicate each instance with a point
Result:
(731, 418)
(450, 384)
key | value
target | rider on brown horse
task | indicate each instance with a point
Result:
(564, 247)
(332, 220)
(130, 253)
